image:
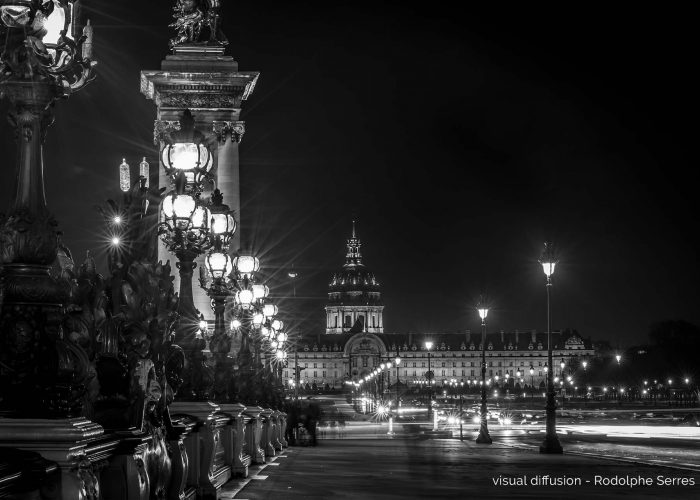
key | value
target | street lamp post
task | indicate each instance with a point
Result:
(461, 409)
(219, 268)
(397, 360)
(44, 59)
(428, 346)
(551, 441)
(562, 385)
(484, 437)
(532, 380)
(617, 383)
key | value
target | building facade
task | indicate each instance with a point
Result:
(355, 344)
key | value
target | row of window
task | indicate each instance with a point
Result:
(304, 354)
(424, 364)
(405, 373)
(347, 321)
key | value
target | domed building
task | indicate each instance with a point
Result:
(355, 345)
(354, 299)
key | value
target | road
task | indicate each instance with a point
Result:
(408, 468)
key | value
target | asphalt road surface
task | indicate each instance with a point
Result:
(447, 468)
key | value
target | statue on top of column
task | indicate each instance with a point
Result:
(197, 22)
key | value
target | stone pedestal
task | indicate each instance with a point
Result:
(283, 428)
(254, 434)
(234, 439)
(125, 476)
(180, 462)
(207, 470)
(268, 431)
(276, 442)
(62, 441)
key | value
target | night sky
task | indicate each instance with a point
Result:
(460, 140)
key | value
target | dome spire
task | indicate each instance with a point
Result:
(353, 257)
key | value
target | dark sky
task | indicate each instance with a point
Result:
(460, 139)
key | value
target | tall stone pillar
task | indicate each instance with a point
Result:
(204, 80)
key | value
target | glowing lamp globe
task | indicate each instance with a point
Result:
(258, 319)
(244, 298)
(178, 210)
(194, 160)
(382, 366)
(548, 260)
(277, 324)
(260, 291)
(397, 360)
(264, 331)
(203, 325)
(428, 345)
(235, 324)
(281, 354)
(59, 20)
(218, 264)
(223, 226)
(246, 264)
(269, 310)
(200, 220)
(281, 337)
(483, 312)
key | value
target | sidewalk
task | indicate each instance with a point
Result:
(448, 468)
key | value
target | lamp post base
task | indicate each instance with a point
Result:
(551, 446)
(484, 437)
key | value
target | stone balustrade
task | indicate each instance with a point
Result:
(208, 444)
(234, 439)
(268, 429)
(254, 434)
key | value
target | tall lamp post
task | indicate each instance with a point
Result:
(428, 346)
(484, 437)
(562, 384)
(397, 361)
(219, 268)
(618, 358)
(532, 380)
(551, 441)
(44, 59)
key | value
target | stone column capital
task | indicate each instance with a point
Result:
(233, 129)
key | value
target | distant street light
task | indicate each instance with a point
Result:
(551, 441)
(483, 437)
(428, 346)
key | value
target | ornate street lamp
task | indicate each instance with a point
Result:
(186, 231)
(484, 437)
(551, 441)
(185, 154)
(42, 61)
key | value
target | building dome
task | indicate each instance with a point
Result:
(354, 300)
(354, 283)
